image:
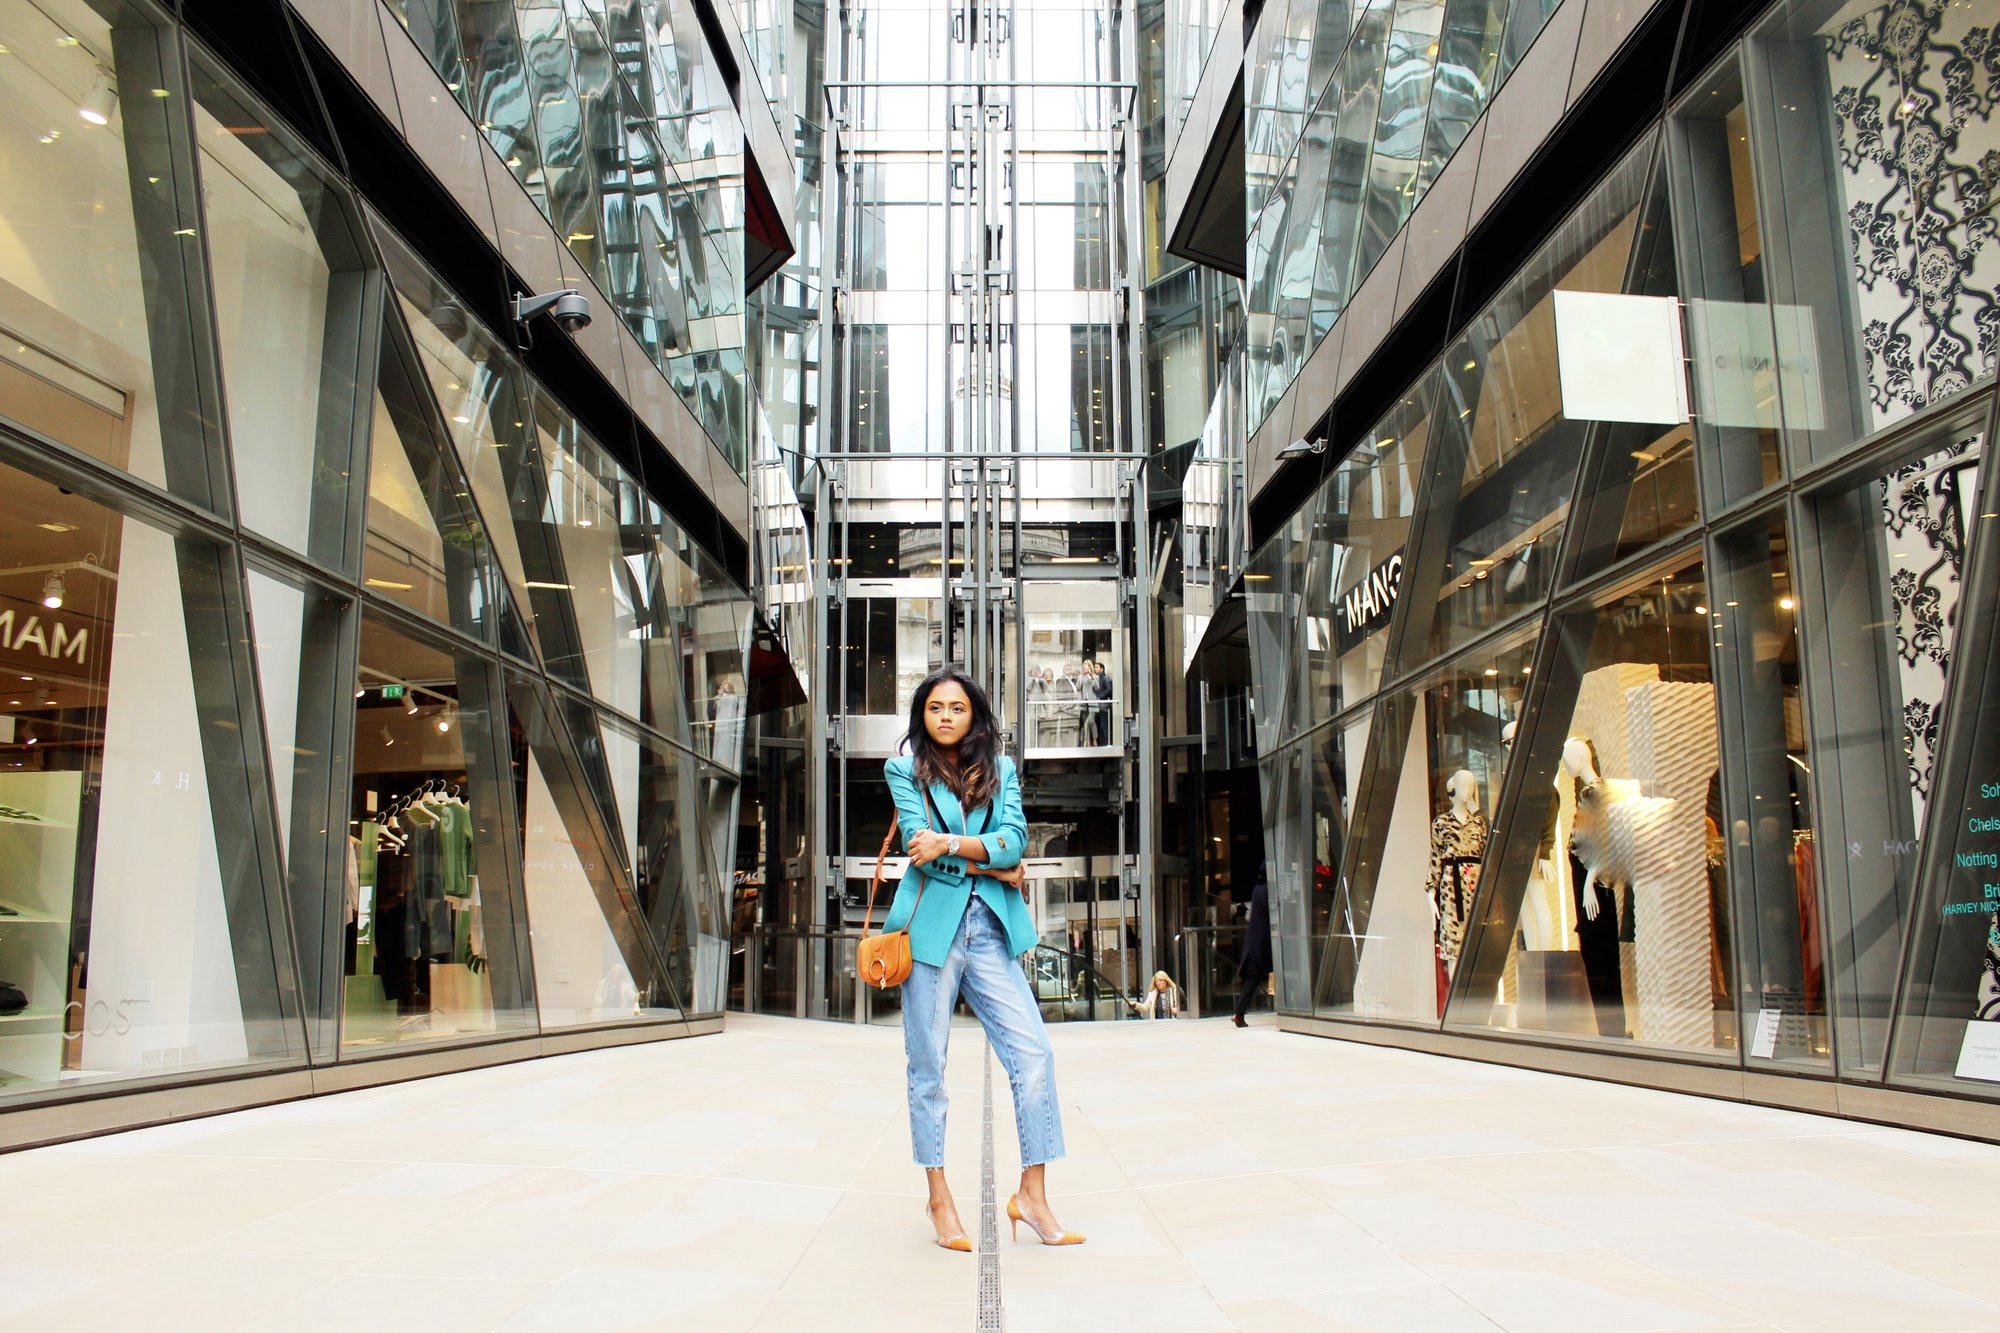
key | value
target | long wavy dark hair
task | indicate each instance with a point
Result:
(974, 775)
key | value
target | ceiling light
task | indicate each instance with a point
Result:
(410, 703)
(1786, 603)
(444, 724)
(99, 102)
(387, 739)
(52, 590)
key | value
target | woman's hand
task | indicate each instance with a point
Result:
(1013, 877)
(926, 845)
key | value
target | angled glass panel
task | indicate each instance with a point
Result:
(1355, 96)
(1396, 165)
(1874, 147)
(138, 871)
(683, 900)
(1616, 849)
(594, 958)
(426, 547)
(1733, 354)
(1330, 763)
(433, 26)
(432, 927)
(1948, 1034)
(1420, 831)
(606, 536)
(1882, 581)
(303, 636)
(1505, 497)
(1267, 348)
(1525, 20)
(496, 89)
(1767, 815)
(1637, 486)
(293, 300)
(103, 306)
(483, 395)
(1468, 66)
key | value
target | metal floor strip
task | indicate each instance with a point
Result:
(992, 1311)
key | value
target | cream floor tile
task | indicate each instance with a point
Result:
(184, 1292)
(1797, 1283)
(605, 1300)
(1579, 1291)
(1425, 1306)
(1152, 1307)
(790, 1312)
(353, 1299)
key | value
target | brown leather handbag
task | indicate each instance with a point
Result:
(884, 960)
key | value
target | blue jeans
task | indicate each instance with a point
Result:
(996, 988)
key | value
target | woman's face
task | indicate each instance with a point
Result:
(947, 714)
(1159, 983)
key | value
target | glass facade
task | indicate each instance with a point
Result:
(359, 698)
(1596, 728)
(619, 122)
(1350, 112)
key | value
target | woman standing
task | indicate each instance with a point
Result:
(1161, 1000)
(958, 802)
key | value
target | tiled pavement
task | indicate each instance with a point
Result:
(1227, 1180)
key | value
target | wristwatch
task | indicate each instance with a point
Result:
(951, 845)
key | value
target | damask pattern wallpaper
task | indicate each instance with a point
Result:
(1916, 84)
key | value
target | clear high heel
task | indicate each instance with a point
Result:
(1016, 1216)
(961, 1243)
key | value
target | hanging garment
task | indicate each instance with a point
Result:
(1456, 848)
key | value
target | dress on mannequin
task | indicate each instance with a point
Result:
(1458, 841)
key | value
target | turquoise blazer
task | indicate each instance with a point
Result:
(948, 888)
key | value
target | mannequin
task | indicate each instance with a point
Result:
(1596, 899)
(1458, 840)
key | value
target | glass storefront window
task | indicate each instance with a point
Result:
(432, 947)
(1766, 820)
(1613, 923)
(291, 274)
(1507, 508)
(1948, 1035)
(1734, 347)
(102, 307)
(1874, 143)
(1420, 835)
(122, 756)
(1884, 564)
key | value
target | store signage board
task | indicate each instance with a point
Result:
(1748, 359)
(1979, 1053)
(1367, 606)
(1621, 358)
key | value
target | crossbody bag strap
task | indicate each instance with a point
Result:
(875, 880)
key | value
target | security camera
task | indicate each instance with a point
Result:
(569, 308)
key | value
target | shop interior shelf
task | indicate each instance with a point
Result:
(31, 1014)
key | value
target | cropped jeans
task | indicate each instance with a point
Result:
(993, 984)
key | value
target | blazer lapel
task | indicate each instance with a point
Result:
(948, 809)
